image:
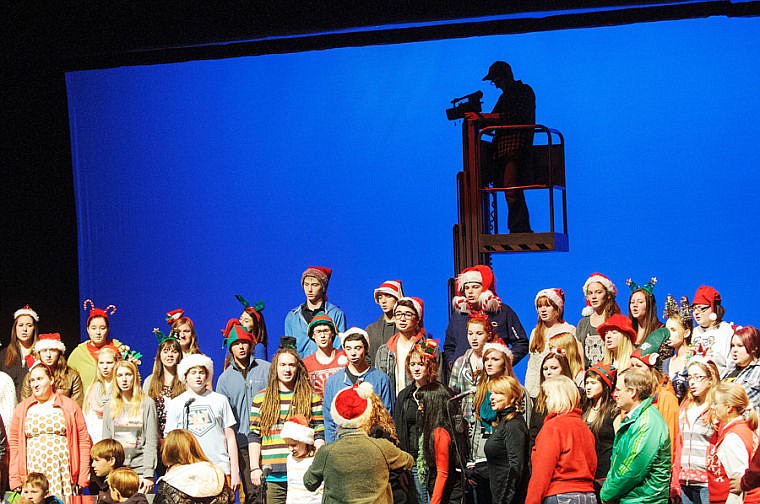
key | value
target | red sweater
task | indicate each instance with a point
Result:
(441, 442)
(564, 457)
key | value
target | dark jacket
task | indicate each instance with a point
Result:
(507, 452)
(506, 324)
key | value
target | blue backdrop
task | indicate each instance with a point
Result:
(195, 181)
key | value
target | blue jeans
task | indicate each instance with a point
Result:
(693, 494)
(571, 498)
(422, 493)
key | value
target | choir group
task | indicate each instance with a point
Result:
(618, 408)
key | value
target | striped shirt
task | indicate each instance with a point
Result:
(274, 451)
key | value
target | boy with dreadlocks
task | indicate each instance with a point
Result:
(288, 393)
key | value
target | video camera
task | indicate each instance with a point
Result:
(468, 103)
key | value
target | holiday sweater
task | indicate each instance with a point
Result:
(729, 457)
(319, 372)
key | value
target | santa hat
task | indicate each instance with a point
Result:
(606, 372)
(650, 359)
(26, 310)
(619, 322)
(352, 407)
(498, 344)
(707, 295)
(390, 287)
(321, 273)
(555, 295)
(320, 318)
(419, 307)
(32, 363)
(482, 275)
(355, 330)
(191, 361)
(49, 341)
(234, 331)
(606, 283)
(297, 428)
(175, 315)
(97, 312)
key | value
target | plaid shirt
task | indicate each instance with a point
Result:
(749, 378)
(518, 106)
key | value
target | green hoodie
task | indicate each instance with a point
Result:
(640, 465)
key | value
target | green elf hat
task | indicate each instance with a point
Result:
(236, 332)
(654, 341)
(161, 337)
(321, 318)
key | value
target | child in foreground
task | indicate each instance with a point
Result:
(106, 456)
(36, 490)
(124, 484)
(299, 437)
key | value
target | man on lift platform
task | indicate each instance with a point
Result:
(512, 147)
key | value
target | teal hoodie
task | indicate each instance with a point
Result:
(640, 465)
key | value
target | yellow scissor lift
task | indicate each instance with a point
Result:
(477, 235)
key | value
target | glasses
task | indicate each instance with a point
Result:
(700, 308)
(405, 315)
(326, 330)
(697, 378)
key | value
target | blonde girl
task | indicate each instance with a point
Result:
(734, 445)
(566, 344)
(130, 418)
(98, 393)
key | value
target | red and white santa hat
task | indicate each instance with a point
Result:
(191, 361)
(352, 406)
(555, 295)
(606, 283)
(321, 273)
(419, 307)
(498, 344)
(482, 275)
(297, 428)
(390, 287)
(49, 341)
(26, 310)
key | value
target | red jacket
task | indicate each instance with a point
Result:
(76, 434)
(564, 457)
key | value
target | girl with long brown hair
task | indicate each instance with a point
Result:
(24, 333)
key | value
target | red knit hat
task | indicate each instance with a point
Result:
(707, 295)
(352, 407)
(606, 372)
(49, 341)
(619, 322)
(390, 287)
(321, 273)
(97, 312)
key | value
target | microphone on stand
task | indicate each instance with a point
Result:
(463, 394)
(187, 410)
